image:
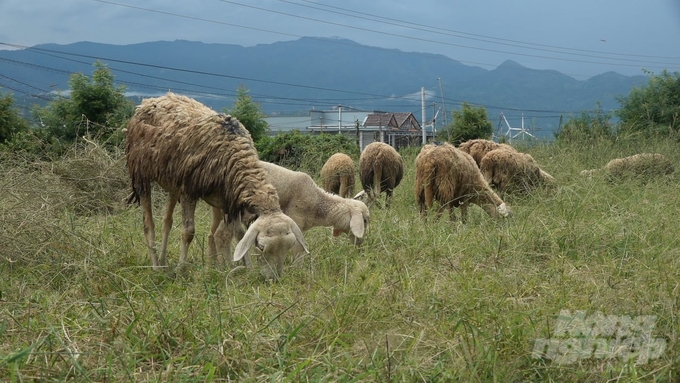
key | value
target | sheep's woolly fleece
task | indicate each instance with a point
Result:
(642, 165)
(381, 168)
(451, 177)
(185, 146)
(512, 171)
(478, 148)
(337, 175)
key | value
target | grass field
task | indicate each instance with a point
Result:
(421, 301)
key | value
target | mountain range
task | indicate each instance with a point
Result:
(293, 77)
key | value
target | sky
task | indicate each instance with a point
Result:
(580, 38)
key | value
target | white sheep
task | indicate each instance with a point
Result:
(194, 153)
(643, 166)
(509, 171)
(306, 203)
(451, 177)
(337, 175)
(381, 168)
(479, 147)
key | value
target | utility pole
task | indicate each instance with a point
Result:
(339, 118)
(434, 120)
(441, 90)
(356, 125)
(422, 102)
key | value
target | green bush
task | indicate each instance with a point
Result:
(304, 152)
(587, 127)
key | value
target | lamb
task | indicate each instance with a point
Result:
(509, 171)
(337, 175)
(307, 204)
(194, 153)
(451, 177)
(478, 148)
(380, 168)
(643, 166)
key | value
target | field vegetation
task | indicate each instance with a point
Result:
(420, 301)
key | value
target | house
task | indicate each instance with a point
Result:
(396, 129)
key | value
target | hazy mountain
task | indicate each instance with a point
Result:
(312, 73)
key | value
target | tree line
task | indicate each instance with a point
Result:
(95, 107)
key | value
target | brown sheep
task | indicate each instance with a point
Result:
(451, 177)
(307, 204)
(643, 166)
(194, 153)
(478, 148)
(337, 175)
(513, 172)
(381, 168)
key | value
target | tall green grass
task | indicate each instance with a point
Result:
(420, 301)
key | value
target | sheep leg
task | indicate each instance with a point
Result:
(217, 229)
(343, 189)
(149, 228)
(189, 229)
(388, 197)
(463, 212)
(167, 226)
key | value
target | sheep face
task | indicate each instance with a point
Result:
(274, 235)
(359, 218)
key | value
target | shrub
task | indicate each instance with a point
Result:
(304, 152)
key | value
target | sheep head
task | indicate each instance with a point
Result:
(274, 235)
(359, 217)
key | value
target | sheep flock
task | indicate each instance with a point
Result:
(194, 153)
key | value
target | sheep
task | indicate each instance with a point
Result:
(478, 148)
(337, 175)
(307, 204)
(380, 168)
(643, 166)
(451, 177)
(194, 153)
(509, 171)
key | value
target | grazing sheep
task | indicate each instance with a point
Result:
(380, 168)
(451, 177)
(307, 204)
(513, 172)
(194, 153)
(478, 148)
(337, 175)
(643, 166)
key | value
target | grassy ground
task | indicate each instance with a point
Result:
(421, 301)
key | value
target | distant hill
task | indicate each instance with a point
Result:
(314, 73)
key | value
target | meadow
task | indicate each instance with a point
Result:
(420, 301)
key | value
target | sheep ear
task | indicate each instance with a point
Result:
(246, 242)
(298, 236)
(357, 224)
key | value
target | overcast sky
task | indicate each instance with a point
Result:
(580, 38)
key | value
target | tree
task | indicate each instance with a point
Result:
(653, 108)
(11, 122)
(468, 123)
(95, 106)
(587, 126)
(249, 113)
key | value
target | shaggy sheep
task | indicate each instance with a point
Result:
(194, 153)
(509, 171)
(643, 166)
(380, 168)
(337, 175)
(307, 204)
(451, 177)
(478, 148)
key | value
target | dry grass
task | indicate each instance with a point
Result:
(420, 301)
